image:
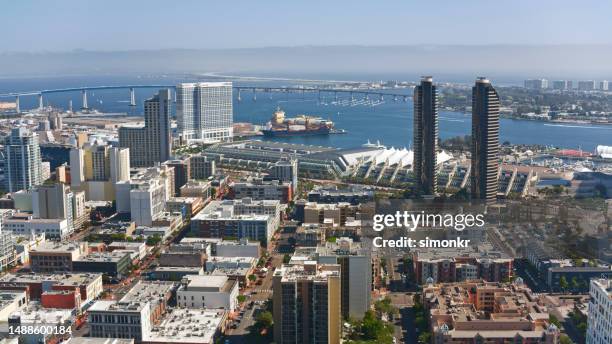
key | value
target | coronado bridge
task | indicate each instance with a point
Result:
(335, 93)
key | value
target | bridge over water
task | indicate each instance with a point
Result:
(360, 93)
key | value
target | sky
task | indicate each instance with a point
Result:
(111, 25)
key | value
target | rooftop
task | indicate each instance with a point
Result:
(309, 270)
(72, 279)
(114, 306)
(153, 291)
(114, 257)
(208, 283)
(183, 325)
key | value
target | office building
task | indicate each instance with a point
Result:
(25, 224)
(79, 209)
(144, 196)
(8, 254)
(207, 292)
(202, 166)
(112, 319)
(603, 85)
(485, 142)
(204, 111)
(586, 85)
(247, 206)
(286, 171)
(56, 257)
(536, 84)
(561, 85)
(96, 169)
(54, 202)
(306, 304)
(599, 327)
(182, 173)
(225, 224)
(153, 142)
(22, 166)
(426, 136)
(355, 271)
(112, 264)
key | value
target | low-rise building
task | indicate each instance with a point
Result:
(228, 248)
(24, 224)
(225, 224)
(461, 264)
(353, 195)
(36, 318)
(197, 188)
(186, 206)
(189, 326)
(138, 249)
(185, 255)
(487, 312)
(174, 273)
(230, 263)
(10, 302)
(56, 257)
(156, 293)
(120, 320)
(89, 285)
(111, 264)
(260, 189)
(575, 278)
(207, 292)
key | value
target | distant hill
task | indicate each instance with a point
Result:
(510, 62)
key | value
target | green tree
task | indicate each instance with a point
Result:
(252, 278)
(264, 321)
(373, 328)
(564, 339)
(241, 298)
(425, 337)
(286, 259)
(154, 240)
(563, 283)
(553, 320)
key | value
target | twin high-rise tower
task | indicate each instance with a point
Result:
(426, 136)
(485, 139)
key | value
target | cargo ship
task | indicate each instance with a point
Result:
(301, 125)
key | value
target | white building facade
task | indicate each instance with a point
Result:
(204, 111)
(599, 329)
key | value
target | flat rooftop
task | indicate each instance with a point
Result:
(114, 306)
(109, 257)
(209, 283)
(72, 279)
(188, 326)
(154, 291)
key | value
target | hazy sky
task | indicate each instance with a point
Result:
(29, 25)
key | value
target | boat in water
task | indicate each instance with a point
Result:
(302, 125)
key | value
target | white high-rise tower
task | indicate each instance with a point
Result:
(204, 111)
